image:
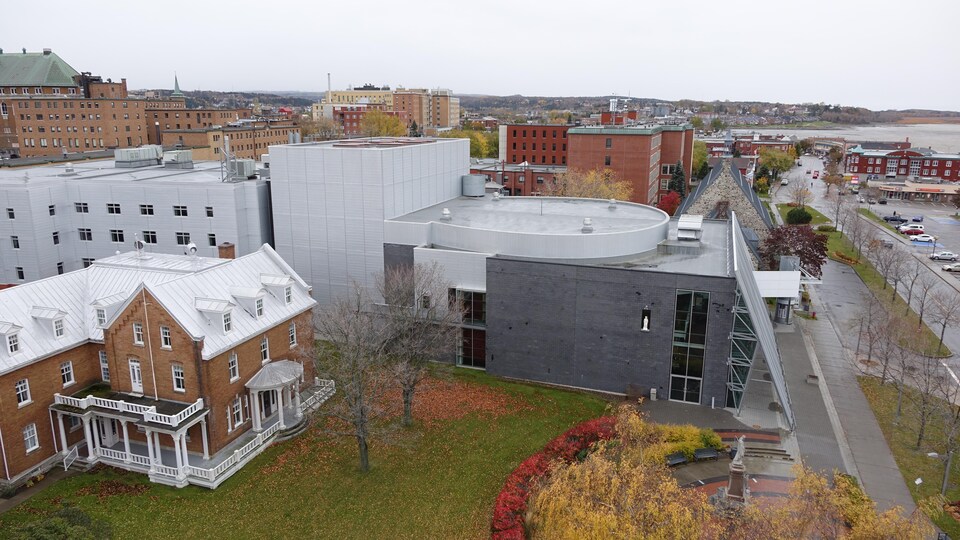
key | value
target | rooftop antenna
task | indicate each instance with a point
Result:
(138, 245)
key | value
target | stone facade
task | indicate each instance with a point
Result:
(725, 188)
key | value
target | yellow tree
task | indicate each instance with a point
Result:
(592, 184)
(377, 123)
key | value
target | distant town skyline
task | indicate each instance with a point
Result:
(878, 56)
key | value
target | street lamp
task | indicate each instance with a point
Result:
(946, 469)
(934, 248)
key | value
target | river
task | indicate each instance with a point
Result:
(941, 137)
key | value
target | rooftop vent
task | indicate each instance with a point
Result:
(68, 170)
(178, 159)
(613, 204)
(496, 196)
(144, 156)
(587, 226)
(689, 227)
(46, 52)
(445, 215)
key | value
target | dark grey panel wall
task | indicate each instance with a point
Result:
(397, 255)
(580, 325)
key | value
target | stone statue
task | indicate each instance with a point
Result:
(646, 323)
(738, 458)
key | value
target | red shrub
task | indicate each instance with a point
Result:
(511, 504)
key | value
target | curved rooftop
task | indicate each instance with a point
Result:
(540, 227)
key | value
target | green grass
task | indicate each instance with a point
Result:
(818, 218)
(836, 242)
(874, 217)
(902, 438)
(437, 482)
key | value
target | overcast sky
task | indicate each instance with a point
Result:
(879, 54)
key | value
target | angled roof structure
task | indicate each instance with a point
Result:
(725, 184)
(35, 69)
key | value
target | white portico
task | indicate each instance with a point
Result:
(274, 387)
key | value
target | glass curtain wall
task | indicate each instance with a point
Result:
(689, 342)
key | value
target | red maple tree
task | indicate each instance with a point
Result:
(669, 202)
(798, 241)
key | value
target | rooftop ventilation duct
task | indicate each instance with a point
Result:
(144, 156)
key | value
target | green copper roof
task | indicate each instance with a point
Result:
(35, 69)
(176, 88)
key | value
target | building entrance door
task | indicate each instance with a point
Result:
(108, 431)
(268, 400)
(136, 377)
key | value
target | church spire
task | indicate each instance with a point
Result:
(176, 87)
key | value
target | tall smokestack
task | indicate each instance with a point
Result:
(329, 88)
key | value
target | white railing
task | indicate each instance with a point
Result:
(108, 453)
(149, 412)
(140, 460)
(327, 389)
(200, 472)
(166, 471)
(71, 456)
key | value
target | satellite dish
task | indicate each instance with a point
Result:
(138, 245)
(191, 249)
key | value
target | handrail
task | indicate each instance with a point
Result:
(149, 412)
(71, 456)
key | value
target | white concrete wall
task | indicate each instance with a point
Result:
(462, 269)
(330, 203)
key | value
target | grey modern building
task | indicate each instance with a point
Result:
(602, 295)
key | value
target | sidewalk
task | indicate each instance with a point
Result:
(53, 476)
(872, 458)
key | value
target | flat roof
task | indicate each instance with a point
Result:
(543, 215)
(203, 172)
(373, 142)
(629, 130)
(710, 258)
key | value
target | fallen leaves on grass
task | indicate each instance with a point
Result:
(439, 400)
(110, 488)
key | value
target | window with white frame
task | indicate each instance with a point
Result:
(288, 294)
(237, 410)
(23, 392)
(180, 211)
(66, 373)
(13, 343)
(227, 322)
(58, 328)
(101, 317)
(292, 334)
(259, 307)
(104, 367)
(179, 382)
(165, 341)
(137, 333)
(30, 440)
(75, 422)
(264, 349)
(233, 366)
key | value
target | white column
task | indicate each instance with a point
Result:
(256, 410)
(186, 453)
(296, 402)
(280, 408)
(150, 454)
(288, 395)
(203, 431)
(96, 432)
(126, 442)
(63, 435)
(91, 454)
(156, 443)
(176, 453)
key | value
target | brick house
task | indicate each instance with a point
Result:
(177, 366)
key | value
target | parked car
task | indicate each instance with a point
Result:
(944, 256)
(895, 219)
(923, 238)
(860, 199)
(809, 171)
(871, 200)
(952, 267)
(917, 219)
(910, 226)
(784, 182)
(816, 174)
(912, 232)
(882, 201)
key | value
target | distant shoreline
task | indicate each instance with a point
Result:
(819, 126)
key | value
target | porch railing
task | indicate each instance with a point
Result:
(327, 389)
(71, 456)
(149, 412)
(108, 453)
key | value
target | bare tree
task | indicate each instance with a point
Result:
(950, 419)
(799, 194)
(925, 285)
(910, 272)
(945, 312)
(422, 325)
(884, 333)
(906, 365)
(885, 260)
(928, 379)
(352, 352)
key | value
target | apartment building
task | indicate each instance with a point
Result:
(535, 144)
(162, 117)
(176, 366)
(249, 139)
(60, 218)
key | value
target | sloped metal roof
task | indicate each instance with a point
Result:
(76, 294)
(35, 69)
(275, 375)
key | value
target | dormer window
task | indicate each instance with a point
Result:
(216, 311)
(259, 307)
(58, 328)
(107, 307)
(13, 343)
(101, 317)
(227, 322)
(287, 294)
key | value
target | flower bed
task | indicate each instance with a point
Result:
(511, 505)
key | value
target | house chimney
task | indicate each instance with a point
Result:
(227, 250)
(46, 52)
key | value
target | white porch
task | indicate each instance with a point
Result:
(168, 461)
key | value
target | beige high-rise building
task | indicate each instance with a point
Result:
(430, 109)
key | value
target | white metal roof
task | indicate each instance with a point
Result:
(175, 286)
(46, 313)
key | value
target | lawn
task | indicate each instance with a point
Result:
(836, 242)
(902, 438)
(437, 480)
(874, 217)
(818, 218)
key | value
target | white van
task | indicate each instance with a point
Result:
(910, 227)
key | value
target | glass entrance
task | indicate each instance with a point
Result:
(689, 342)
